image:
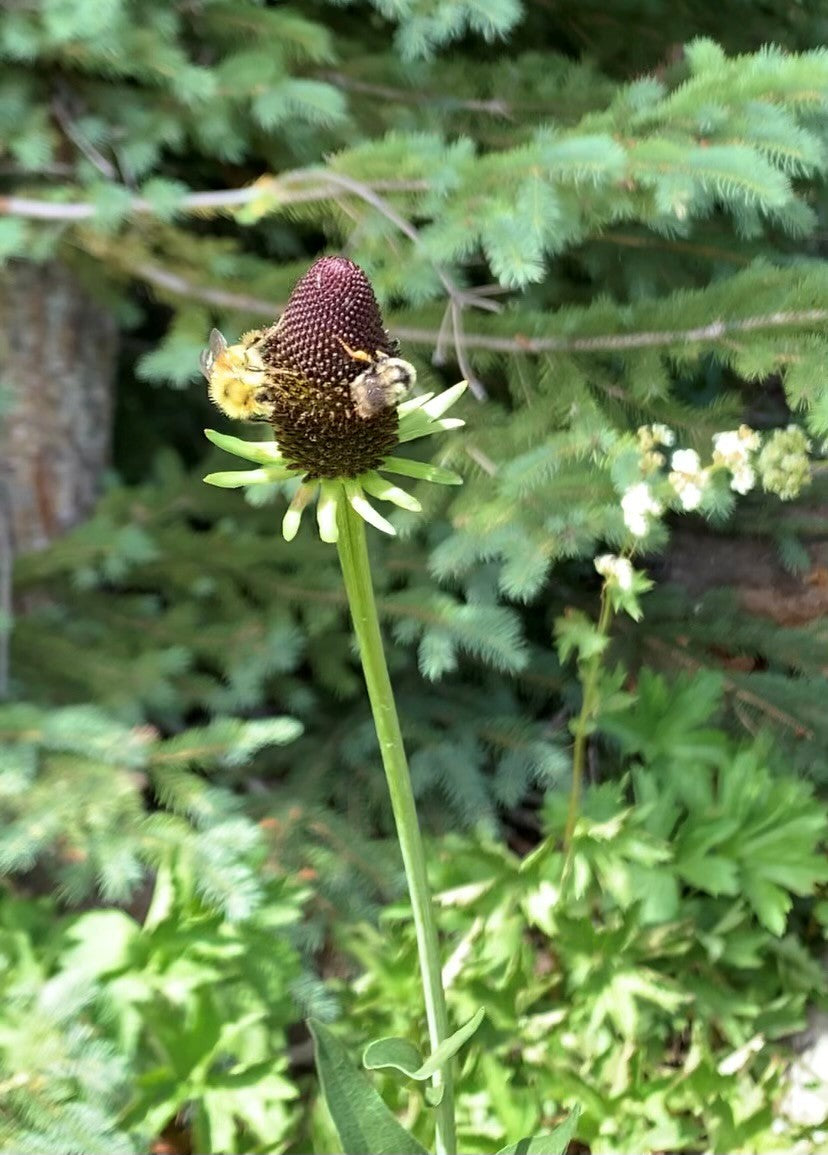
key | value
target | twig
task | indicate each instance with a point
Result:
(287, 189)
(589, 671)
(222, 298)
(415, 96)
(73, 133)
(438, 357)
(475, 384)
(482, 459)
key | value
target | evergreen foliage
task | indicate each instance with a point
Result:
(628, 251)
(601, 230)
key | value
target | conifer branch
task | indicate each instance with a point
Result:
(602, 343)
(494, 107)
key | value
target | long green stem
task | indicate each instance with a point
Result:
(582, 726)
(353, 557)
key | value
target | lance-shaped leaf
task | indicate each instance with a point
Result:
(363, 1121)
(548, 1143)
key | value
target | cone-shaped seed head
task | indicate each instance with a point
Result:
(311, 370)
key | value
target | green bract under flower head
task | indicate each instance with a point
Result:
(327, 379)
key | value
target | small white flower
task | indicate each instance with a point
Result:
(639, 506)
(732, 449)
(688, 478)
(743, 479)
(663, 434)
(736, 442)
(615, 569)
(689, 493)
(727, 444)
(686, 461)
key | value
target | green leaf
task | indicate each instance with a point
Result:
(401, 1055)
(548, 1142)
(101, 942)
(363, 1121)
(397, 1054)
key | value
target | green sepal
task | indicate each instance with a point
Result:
(422, 470)
(361, 1118)
(262, 452)
(413, 403)
(385, 490)
(437, 406)
(236, 478)
(362, 506)
(329, 492)
(548, 1142)
(419, 424)
(401, 1055)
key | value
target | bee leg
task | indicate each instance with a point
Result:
(356, 354)
(273, 372)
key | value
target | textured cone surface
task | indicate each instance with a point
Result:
(316, 425)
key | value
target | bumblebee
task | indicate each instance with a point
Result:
(383, 384)
(236, 376)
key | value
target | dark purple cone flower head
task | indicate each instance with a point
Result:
(327, 378)
(332, 314)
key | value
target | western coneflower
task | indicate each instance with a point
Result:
(326, 377)
(328, 380)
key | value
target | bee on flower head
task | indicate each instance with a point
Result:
(382, 385)
(237, 377)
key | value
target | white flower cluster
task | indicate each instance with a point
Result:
(650, 439)
(733, 449)
(688, 478)
(639, 507)
(615, 569)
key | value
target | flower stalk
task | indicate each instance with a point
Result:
(353, 558)
(586, 716)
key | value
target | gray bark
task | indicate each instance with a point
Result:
(57, 363)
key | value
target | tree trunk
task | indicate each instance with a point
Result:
(57, 349)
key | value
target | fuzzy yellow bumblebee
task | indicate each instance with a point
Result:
(236, 377)
(385, 382)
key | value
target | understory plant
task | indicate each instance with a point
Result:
(653, 982)
(119, 1029)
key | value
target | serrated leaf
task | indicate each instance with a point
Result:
(361, 1118)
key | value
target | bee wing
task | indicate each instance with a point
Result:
(208, 356)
